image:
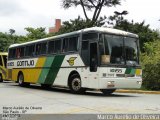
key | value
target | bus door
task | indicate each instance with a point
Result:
(89, 56)
(93, 57)
(93, 64)
(4, 57)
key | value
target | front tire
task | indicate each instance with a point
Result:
(1, 78)
(75, 84)
(107, 91)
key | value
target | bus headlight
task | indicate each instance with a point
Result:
(139, 82)
(110, 84)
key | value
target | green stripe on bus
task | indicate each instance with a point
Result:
(133, 71)
(52, 74)
(44, 72)
(130, 71)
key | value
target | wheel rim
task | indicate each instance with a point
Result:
(76, 84)
(20, 79)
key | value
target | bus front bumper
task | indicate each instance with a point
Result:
(117, 83)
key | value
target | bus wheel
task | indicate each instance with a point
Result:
(1, 78)
(75, 84)
(107, 91)
(21, 80)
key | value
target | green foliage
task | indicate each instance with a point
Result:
(6, 39)
(143, 31)
(12, 31)
(90, 5)
(79, 23)
(150, 61)
(34, 34)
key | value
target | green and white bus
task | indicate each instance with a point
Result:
(93, 58)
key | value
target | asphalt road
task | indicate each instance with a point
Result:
(34, 99)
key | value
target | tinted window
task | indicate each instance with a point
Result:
(57, 46)
(103, 45)
(1, 64)
(12, 53)
(90, 36)
(131, 50)
(85, 45)
(20, 52)
(51, 47)
(5, 59)
(85, 52)
(41, 48)
(73, 44)
(65, 45)
(30, 50)
(115, 45)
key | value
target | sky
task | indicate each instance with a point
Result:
(19, 14)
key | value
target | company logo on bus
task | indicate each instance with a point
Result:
(71, 61)
(116, 70)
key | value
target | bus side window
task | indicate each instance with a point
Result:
(85, 52)
(73, 44)
(51, 47)
(38, 49)
(12, 53)
(57, 46)
(1, 64)
(65, 45)
(5, 60)
(30, 50)
(20, 52)
(43, 48)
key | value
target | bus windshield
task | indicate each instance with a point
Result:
(118, 50)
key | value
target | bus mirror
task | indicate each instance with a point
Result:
(105, 59)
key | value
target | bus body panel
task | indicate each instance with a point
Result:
(3, 70)
(45, 70)
(115, 77)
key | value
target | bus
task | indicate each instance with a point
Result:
(98, 58)
(3, 65)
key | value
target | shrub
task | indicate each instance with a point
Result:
(150, 60)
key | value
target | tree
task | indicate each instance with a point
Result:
(144, 32)
(4, 41)
(150, 61)
(95, 5)
(78, 24)
(119, 15)
(35, 33)
(12, 31)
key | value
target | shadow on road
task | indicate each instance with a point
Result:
(67, 91)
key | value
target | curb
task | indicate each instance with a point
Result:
(137, 91)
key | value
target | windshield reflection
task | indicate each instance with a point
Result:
(118, 50)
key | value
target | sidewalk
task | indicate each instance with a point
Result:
(137, 91)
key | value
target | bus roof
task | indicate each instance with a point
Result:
(96, 29)
(3, 53)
